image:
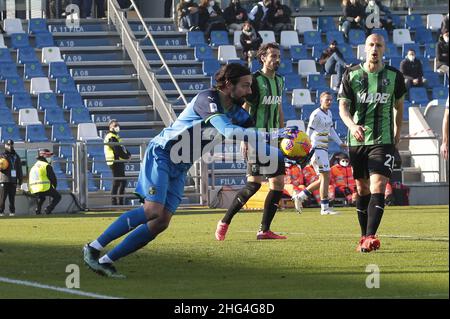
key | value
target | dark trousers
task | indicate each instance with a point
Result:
(7, 190)
(118, 186)
(54, 200)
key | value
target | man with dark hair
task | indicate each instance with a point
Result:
(280, 17)
(235, 16)
(333, 61)
(412, 70)
(10, 177)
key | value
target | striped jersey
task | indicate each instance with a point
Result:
(320, 129)
(372, 96)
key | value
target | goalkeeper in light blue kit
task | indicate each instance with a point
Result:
(170, 155)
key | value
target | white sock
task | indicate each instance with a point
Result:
(325, 206)
(96, 245)
(105, 260)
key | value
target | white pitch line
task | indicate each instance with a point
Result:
(59, 289)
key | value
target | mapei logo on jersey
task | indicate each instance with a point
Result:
(373, 97)
(268, 100)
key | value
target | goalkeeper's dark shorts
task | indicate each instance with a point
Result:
(269, 166)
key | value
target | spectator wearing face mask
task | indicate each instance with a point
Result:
(234, 16)
(442, 53)
(259, 14)
(342, 178)
(188, 15)
(251, 41)
(115, 154)
(412, 70)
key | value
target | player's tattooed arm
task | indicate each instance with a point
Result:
(356, 131)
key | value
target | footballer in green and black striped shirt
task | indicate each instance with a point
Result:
(371, 105)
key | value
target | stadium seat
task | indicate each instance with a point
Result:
(303, 24)
(306, 111)
(408, 46)
(63, 183)
(33, 70)
(401, 36)
(434, 21)
(317, 50)
(306, 67)
(3, 100)
(72, 99)
(425, 64)
(433, 79)
(333, 82)
(219, 38)
(57, 70)
(43, 40)
(2, 42)
(391, 52)
(430, 51)
(5, 56)
(255, 65)
(301, 97)
(341, 128)
(312, 38)
(21, 101)
(288, 112)
(94, 148)
(299, 52)
(203, 52)
(361, 52)
(395, 62)
(326, 23)
(210, 67)
(423, 36)
(237, 39)
(396, 21)
(14, 85)
(92, 186)
(65, 84)
(356, 36)
(26, 55)
(267, 36)
(54, 116)
(285, 67)
(347, 52)
(288, 39)
(413, 21)
(6, 117)
(194, 38)
(106, 181)
(292, 81)
(47, 100)
(61, 133)
(80, 115)
(316, 82)
(19, 40)
(35, 133)
(8, 70)
(10, 132)
(51, 54)
(335, 35)
(227, 52)
(439, 93)
(39, 85)
(28, 116)
(418, 96)
(87, 131)
(37, 25)
(12, 26)
(99, 165)
(381, 32)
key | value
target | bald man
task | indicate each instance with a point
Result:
(371, 106)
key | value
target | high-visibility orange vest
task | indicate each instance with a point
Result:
(309, 174)
(294, 176)
(342, 176)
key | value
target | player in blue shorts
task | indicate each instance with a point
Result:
(170, 155)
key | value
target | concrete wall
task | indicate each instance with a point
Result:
(428, 194)
(26, 205)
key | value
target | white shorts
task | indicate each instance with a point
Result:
(320, 161)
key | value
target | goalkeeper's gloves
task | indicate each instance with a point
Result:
(302, 161)
(285, 132)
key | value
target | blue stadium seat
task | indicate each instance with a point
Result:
(73, 99)
(210, 67)
(19, 40)
(92, 186)
(6, 117)
(414, 46)
(203, 52)
(356, 36)
(316, 82)
(47, 100)
(317, 50)
(430, 50)
(299, 52)
(219, 38)
(65, 84)
(194, 38)
(424, 35)
(54, 116)
(285, 67)
(58, 70)
(43, 40)
(326, 23)
(2, 100)
(63, 183)
(21, 101)
(396, 21)
(292, 81)
(14, 85)
(106, 181)
(37, 25)
(391, 52)
(306, 112)
(418, 96)
(9, 131)
(61, 133)
(80, 115)
(289, 112)
(255, 66)
(8, 70)
(95, 149)
(65, 151)
(312, 38)
(395, 62)
(425, 64)
(33, 70)
(341, 129)
(381, 32)
(335, 35)
(99, 165)
(35, 133)
(5, 56)
(26, 55)
(440, 93)
(413, 21)
(347, 52)
(433, 79)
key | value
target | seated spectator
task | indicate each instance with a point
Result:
(333, 61)
(258, 16)
(294, 177)
(373, 18)
(444, 24)
(341, 175)
(235, 16)
(353, 16)
(412, 70)
(280, 17)
(211, 17)
(251, 41)
(188, 15)
(442, 54)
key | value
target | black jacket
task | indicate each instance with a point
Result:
(119, 150)
(14, 162)
(255, 38)
(50, 172)
(411, 70)
(205, 19)
(441, 52)
(183, 9)
(353, 11)
(285, 18)
(329, 52)
(230, 13)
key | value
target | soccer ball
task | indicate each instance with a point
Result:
(297, 147)
(4, 164)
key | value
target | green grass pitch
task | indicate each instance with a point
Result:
(318, 260)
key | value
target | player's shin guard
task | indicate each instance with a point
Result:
(239, 201)
(375, 213)
(140, 237)
(122, 225)
(270, 208)
(362, 203)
